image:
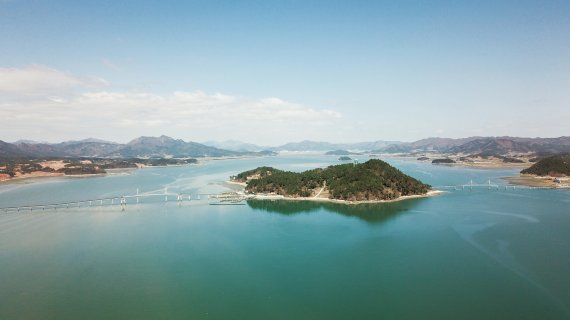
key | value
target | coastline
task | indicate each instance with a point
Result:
(493, 165)
(31, 177)
(271, 197)
(46, 175)
(476, 164)
(108, 172)
(537, 181)
(23, 177)
(243, 184)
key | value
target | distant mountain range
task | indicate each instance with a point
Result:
(164, 146)
(301, 146)
(505, 145)
(470, 145)
(429, 144)
(234, 145)
(308, 145)
(9, 150)
(483, 145)
(142, 147)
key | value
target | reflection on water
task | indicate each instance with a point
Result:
(369, 212)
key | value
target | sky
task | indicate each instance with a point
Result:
(271, 72)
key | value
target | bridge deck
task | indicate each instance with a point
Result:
(124, 200)
(223, 198)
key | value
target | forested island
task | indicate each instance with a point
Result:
(374, 180)
(443, 161)
(340, 153)
(548, 172)
(554, 166)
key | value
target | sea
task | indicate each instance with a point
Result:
(485, 253)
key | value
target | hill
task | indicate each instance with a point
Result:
(558, 165)
(495, 146)
(470, 145)
(428, 144)
(308, 145)
(234, 145)
(88, 148)
(11, 151)
(69, 149)
(340, 153)
(164, 146)
(39, 149)
(372, 180)
(483, 145)
(443, 161)
(143, 147)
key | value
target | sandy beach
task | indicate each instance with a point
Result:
(493, 165)
(37, 174)
(536, 181)
(475, 162)
(326, 199)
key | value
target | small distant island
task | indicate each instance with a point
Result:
(372, 181)
(443, 161)
(345, 158)
(552, 171)
(341, 153)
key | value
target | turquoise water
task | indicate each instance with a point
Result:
(464, 255)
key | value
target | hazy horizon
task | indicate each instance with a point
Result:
(206, 142)
(269, 73)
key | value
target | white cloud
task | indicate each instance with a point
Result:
(57, 99)
(110, 65)
(38, 79)
(40, 104)
(197, 115)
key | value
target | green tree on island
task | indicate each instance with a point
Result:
(372, 180)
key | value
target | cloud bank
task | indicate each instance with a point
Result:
(38, 102)
(38, 79)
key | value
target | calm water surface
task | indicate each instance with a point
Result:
(464, 255)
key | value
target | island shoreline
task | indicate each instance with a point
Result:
(277, 197)
(534, 181)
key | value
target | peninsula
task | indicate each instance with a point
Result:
(550, 172)
(555, 166)
(372, 181)
(33, 168)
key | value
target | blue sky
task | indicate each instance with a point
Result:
(321, 70)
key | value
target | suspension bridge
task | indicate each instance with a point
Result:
(489, 186)
(226, 198)
(229, 198)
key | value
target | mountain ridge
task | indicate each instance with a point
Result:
(164, 146)
(145, 147)
(309, 145)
